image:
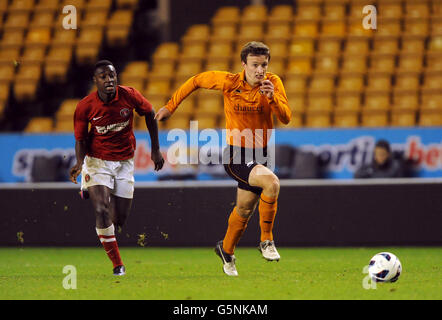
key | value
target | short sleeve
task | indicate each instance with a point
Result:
(141, 104)
(81, 122)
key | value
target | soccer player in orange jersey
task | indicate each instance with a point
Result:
(251, 97)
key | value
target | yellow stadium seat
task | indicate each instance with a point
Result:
(299, 65)
(44, 19)
(305, 28)
(411, 62)
(220, 64)
(219, 50)
(349, 81)
(33, 55)
(196, 33)
(277, 66)
(407, 80)
(317, 119)
(98, 5)
(388, 27)
(67, 108)
(167, 51)
(281, 14)
(193, 52)
(386, 45)
(354, 63)
(297, 121)
(7, 72)
(345, 119)
(416, 27)
(322, 83)
(306, 10)
(28, 72)
(278, 31)
(278, 48)
(334, 27)
(390, 9)
(297, 101)
(403, 118)
(57, 63)
(405, 99)
(187, 106)
(431, 99)
(435, 43)
(250, 32)
(9, 55)
(334, 10)
(157, 88)
(380, 62)
(356, 29)
(413, 44)
(433, 80)
(355, 9)
(94, 19)
(16, 21)
(136, 69)
(118, 28)
(127, 4)
(296, 83)
(379, 81)
(417, 9)
(434, 61)
(436, 22)
(88, 45)
(4, 91)
(39, 125)
(301, 46)
(64, 125)
(329, 45)
(64, 37)
(374, 118)
(135, 83)
(348, 101)
(226, 15)
(80, 5)
(12, 40)
(46, 6)
(254, 14)
(162, 70)
(377, 100)
(430, 118)
(38, 37)
(325, 63)
(356, 45)
(21, 6)
(186, 70)
(320, 101)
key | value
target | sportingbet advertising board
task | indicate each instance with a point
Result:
(194, 154)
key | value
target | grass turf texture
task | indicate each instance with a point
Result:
(196, 273)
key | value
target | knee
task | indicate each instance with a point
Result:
(272, 187)
(102, 209)
(244, 211)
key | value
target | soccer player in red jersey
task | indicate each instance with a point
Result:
(105, 152)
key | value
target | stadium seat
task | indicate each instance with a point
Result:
(46, 6)
(379, 81)
(417, 9)
(39, 125)
(407, 80)
(9, 55)
(404, 99)
(317, 119)
(278, 48)
(223, 32)
(348, 101)
(157, 88)
(433, 80)
(296, 83)
(277, 66)
(57, 63)
(297, 121)
(226, 16)
(127, 4)
(220, 64)
(67, 108)
(350, 81)
(326, 63)
(355, 9)
(436, 22)
(162, 70)
(94, 19)
(166, 52)
(135, 70)
(281, 14)
(64, 37)
(301, 46)
(435, 43)
(322, 83)
(329, 45)
(431, 99)
(33, 55)
(320, 101)
(413, 44)
(118, 28)
(305, 28)
(7, 73)
(254, 14)
(64, 125)
(178, 121)
(28, 72)
(345, 119)
(299, 65)
(21, 6)
(297, 101)
(333, 27)
(430, 118)
(403, 118)
(16, 21)
(334, 9)
(434, 61)
(377, 100)
(356, 45)
(197, 33)
(219, 50)
(98, 5)
(250, 32)
(354, 63)
(308, 10)
(416, 27)
(374, 118)
(388, 27)
(278, 31)
(187, 70)
(44, 19)
(390, 9)
(193, 52)
(38, 37)
(12, 40)
(88, 45)
(79, 5)
(410, 62)
(135, 83)
(382, 62)
(385, 45)
(356, 29)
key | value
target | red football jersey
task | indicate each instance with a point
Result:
(111, 135)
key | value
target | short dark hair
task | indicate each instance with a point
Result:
(255, 48)
(103, 63)
(384, 144)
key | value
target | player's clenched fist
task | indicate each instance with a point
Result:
(74, 172)
(162, 114)
(267, 88)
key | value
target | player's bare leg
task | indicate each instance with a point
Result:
(119, 210)
(245, 206)
(262, 177)
(100, 197)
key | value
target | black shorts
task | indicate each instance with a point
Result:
(239, 162)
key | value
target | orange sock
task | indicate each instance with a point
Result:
(267, 212)
(237, 225)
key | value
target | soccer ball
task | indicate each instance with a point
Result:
(384, 267)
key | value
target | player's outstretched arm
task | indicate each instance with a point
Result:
(80, 153)
(162, 114)
(152, 127)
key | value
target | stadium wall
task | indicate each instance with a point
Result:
(398, 212)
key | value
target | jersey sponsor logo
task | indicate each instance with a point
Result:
(249, 109)
(124, 112)
(115, 127)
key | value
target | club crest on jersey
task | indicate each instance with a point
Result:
(124, 112)
(87, 178)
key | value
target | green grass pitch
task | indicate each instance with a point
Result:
(196, 273)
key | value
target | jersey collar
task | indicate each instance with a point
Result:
(116, 98)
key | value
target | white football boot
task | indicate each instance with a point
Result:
(228, 260)
(269, 251)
